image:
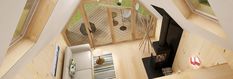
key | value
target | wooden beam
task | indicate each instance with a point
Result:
(133, 19)
(87, 24)
(110, 20)
(73, 15)
(65, 38)
(65, 28)
(154, 26)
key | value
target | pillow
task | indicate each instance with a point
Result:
(72, 67)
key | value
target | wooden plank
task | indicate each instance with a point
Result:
(133, 19)
(33, 70)
(87, 24)
(228, 55)
(65, 28)
(154, 27)
(65, 38)
(222, 71)
(110, 20)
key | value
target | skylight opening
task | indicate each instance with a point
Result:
(202, 7)
(24, 21)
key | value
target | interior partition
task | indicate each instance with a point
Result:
(107, 22)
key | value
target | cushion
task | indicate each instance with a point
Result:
(68, 55)
(80, 48)
(83, 74)
(83, 60)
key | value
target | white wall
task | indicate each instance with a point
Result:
(10, 12)
(60, 16)
(224, 11)
(175, 13)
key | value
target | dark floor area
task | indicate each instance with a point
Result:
(150, 70)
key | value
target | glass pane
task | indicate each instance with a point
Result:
(76, 32)
(76, 18)
(122, 28)
(144, 16)
(98, 17)
(21, 27)
(202, 5)
(124, 3)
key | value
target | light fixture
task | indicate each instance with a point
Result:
(119, 2)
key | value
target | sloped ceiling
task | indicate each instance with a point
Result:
(220, 8)
(8, 22)
(60, 16)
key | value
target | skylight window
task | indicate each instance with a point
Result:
(24, 20)
(201, 7)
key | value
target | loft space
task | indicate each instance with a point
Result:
(108, 21)
(116, 39)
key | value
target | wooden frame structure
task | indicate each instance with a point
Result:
(87, 24)
(85, 19)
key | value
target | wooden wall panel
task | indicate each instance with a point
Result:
(222, 71)
(40, 18)
(40, 67)
(183, 7)
(190, 44)
(228, 55)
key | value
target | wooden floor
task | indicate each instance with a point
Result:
(126, 58)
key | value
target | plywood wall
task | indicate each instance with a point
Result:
(40, 67)
(183, 7)
(222, 71)
(209, 53)
(228, 55)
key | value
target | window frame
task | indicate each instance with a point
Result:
(201, 13)
(26, 23)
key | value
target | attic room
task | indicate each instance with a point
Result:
(116, 39)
